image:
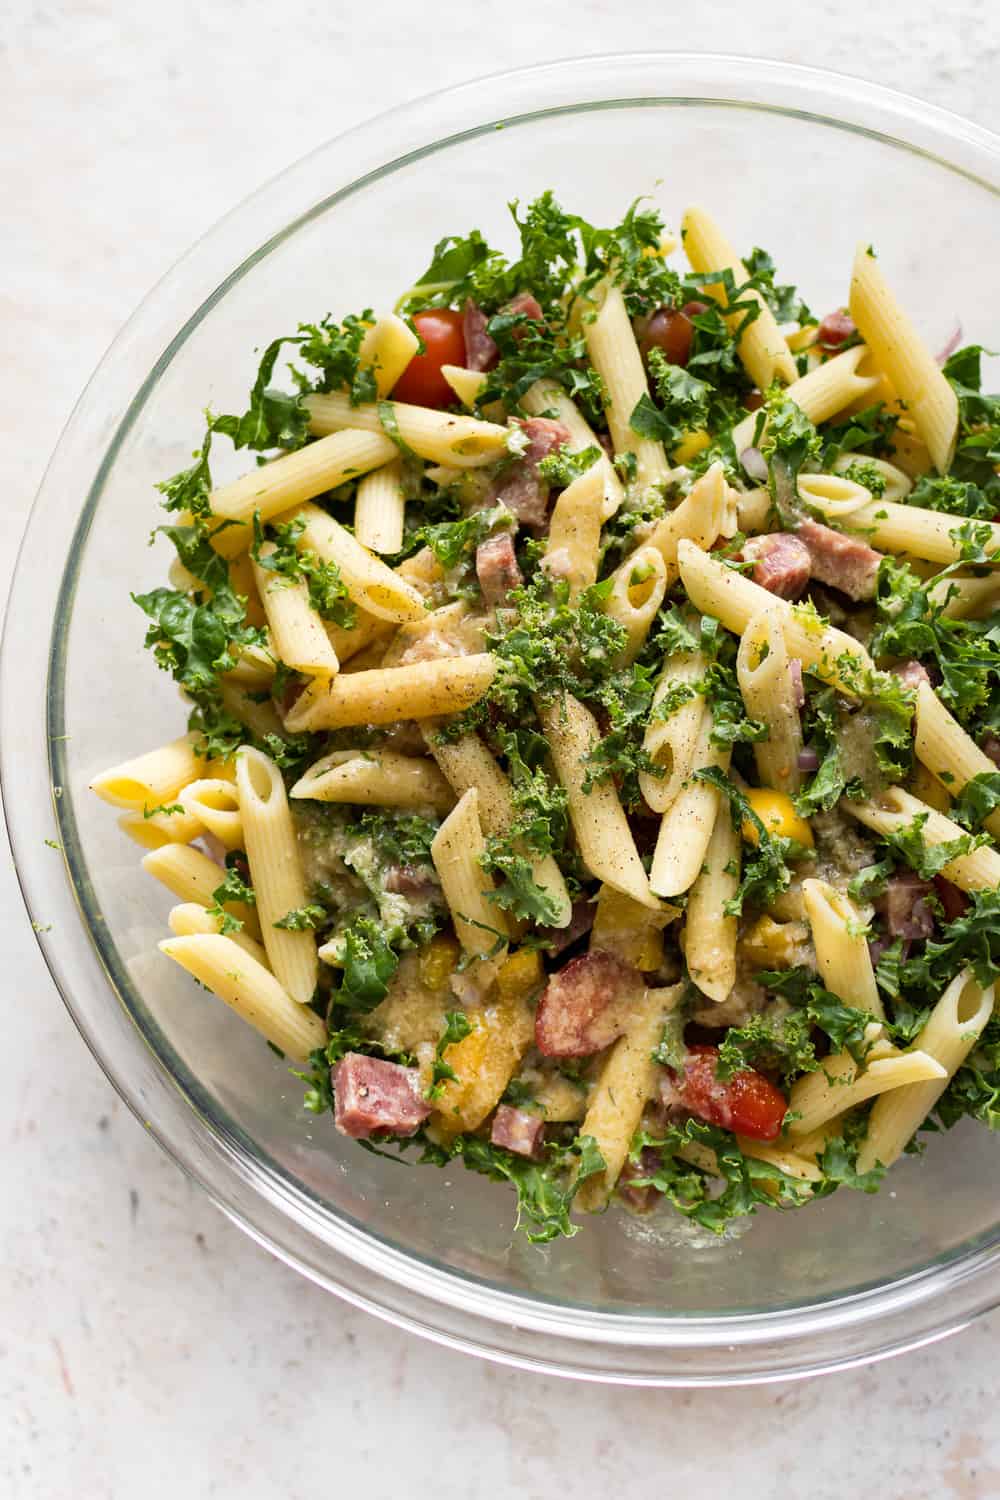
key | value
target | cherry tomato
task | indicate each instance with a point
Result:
(422, 383)
(671, 331)
(748, 1104)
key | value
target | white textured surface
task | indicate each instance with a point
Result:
(146, 1347)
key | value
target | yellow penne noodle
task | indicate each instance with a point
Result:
(709, 938)
(950, 754)
(897, 484)
(952, 1031)
(162, 828)
(928, 534)
(961, 598)
(698, 519)
(376, 778)
(465, 383)
(215, 803)
(261, 718)
(191, 920)
(440, 437)
(296, 629)
(388, 347)
(615, 355)
(150, 780)
(370, 583)
(819, 1096)
(421, 690)
(599, 822)
(670, 743)
(275, 871)
(379, 510)
(763, 670)
(828, 389)
(192, 876)
(686, 826)
(467, 763)
(833, 655)
(842, 955)
(896, 809)
(572, 548)
(457, 851)
(250, 990)
(761, 346)
(627, 1081)
(279, 486)
(634, 599)
(899, 351)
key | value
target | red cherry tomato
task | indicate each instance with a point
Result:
(670, 330)
(422, 383)
(748, 1104)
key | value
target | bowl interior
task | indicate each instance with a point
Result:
(807, 190)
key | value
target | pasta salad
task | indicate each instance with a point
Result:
(592, 766)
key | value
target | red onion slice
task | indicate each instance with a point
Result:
(808, 759)
(951, 344)
(754, 464)
(798, 688)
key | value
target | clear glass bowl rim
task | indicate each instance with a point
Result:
(453, 1310)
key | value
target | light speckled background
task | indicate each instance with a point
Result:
(146, 1347)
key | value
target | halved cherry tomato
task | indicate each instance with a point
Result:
(671, 331)
(422, 383)
(748, 1104)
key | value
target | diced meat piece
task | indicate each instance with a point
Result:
(953, 901)
(844, 562)
(639, 1199)
(991, 747)
(480, 350)
(587, 1005)
(798, 689)
(781, 563)
(753, 401)
(517, 1130)
(525, 303)
(904, 906)
(911, 674)
(520, 488)
(409, 880)
(372, 1095)
(561, 938)
(496, 568)
(835, 329)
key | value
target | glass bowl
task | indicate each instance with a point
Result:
(803, 162)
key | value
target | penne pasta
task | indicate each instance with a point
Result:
(369, 582)
(607, 846)
(547, 398)
(821, 1096)
(457, 851)
(152, 779)
(296, 629)
(615, 355)
(826, 390)
(896, 809)
(764, 673)
(699, 519)
(192, 876)
(832, 655)
(250, 990)
(898, 350)
(842, 955)
(379, 510)
(466, 763)
(215, 803)
(709, 939)
(951, 755)
(670, 740)
(376, 778)
(383, 695)
(192, 920)
(952, 1031)
(275, 872)
(686, 826)
(441, 437)
(762, 349)
(627, 1081)
(928, 534)
(634, 599)
(387, 348)
(572, 549)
